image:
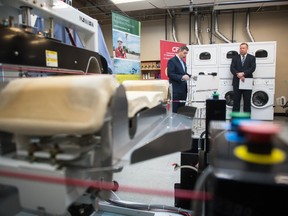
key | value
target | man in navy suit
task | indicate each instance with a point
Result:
(178, 76)
(242, 66)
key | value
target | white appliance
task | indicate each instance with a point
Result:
(265, 52)
(204, 84)
(226, 92)
(204, 55)
(226, 53)
(224, 72)
(198, 71)
(207, 59)
(264, 71)
(189, 57)
(262, 99)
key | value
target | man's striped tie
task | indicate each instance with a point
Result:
(243, 59)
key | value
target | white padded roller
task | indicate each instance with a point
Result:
(56, 105)
(147, 85)
(140, 100)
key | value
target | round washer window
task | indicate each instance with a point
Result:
(260, 98)
(231, 54)
(261, 53)
(205, 56)
(229, 98)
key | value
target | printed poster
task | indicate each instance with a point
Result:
(126, 47)
(168, 49)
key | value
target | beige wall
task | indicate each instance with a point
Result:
(264, 26)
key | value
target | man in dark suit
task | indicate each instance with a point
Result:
(178, 76)
(242, 66)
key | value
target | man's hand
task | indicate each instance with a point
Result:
(240, 75)
(185, 77)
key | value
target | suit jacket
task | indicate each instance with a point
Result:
(175, 73)
(248, 67)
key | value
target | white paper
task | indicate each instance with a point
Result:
(247, 84)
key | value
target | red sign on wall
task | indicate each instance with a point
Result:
(168, 49)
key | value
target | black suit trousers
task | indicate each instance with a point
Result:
(176, 97)
(237, 99)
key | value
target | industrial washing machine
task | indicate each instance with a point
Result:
(226, 53)
(265, 52)
(262, 99)
(264, 71)
(204, 55)
(226, 92)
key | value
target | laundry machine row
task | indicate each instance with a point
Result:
(216, 58)
(220, 55)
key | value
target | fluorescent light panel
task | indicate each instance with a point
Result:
(124, 1)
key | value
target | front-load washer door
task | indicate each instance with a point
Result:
(260, 99)
(229, 99)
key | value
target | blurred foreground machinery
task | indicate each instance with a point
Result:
(63, 137)
(247, 171)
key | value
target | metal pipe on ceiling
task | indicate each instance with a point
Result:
(173, 26)
(244, 2)
(166, 27)
(248, 26)
(233, 25)
(220, 35)
(196, 28)
(190, 23)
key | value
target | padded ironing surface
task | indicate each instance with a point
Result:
(56, 105)
(140, 100)
(147, 85)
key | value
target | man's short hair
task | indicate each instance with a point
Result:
(182, 48)
(244, 44)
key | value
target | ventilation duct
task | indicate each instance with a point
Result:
(196, 28)
(221, 36)
(248, 27)
(173, 26)
(238, 4)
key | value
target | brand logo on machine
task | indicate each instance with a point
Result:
(86, 21)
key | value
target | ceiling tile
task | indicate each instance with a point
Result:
(134, 6)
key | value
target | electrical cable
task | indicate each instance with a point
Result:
(177, 167)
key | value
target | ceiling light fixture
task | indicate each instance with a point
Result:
(124, 1)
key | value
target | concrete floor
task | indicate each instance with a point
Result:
(150, 182)
(158, 175)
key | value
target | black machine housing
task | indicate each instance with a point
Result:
(22, 47)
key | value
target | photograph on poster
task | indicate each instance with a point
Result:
(125, 45)
(126, 66)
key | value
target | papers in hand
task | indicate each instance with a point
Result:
(247, 84)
